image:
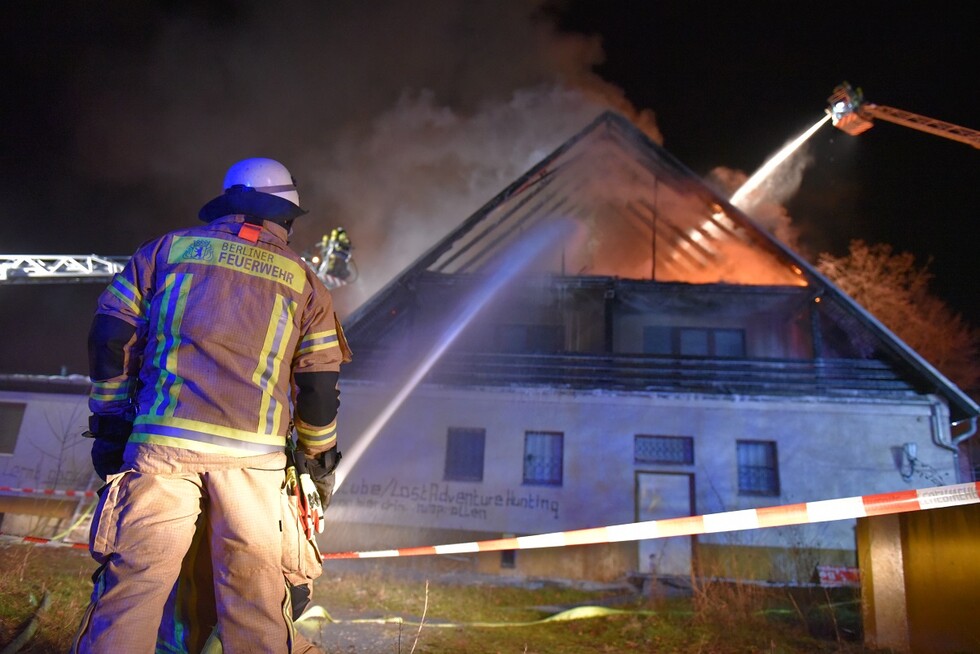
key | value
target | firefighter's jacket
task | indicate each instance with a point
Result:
(214, 331)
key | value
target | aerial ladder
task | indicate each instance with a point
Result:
(331, 259)
(850, 113)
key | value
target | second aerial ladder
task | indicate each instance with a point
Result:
(331, 260)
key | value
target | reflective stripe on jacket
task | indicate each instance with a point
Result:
(222, 325)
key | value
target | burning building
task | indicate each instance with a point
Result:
(658, 355)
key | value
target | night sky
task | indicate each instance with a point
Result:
(401, 118)
(729, 85)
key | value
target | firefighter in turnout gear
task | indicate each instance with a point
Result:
(339, 247)
(204, 351)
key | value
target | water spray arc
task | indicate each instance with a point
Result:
(753, 182)
(739, 199)
(513, 262)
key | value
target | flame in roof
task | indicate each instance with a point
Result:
(643, 216)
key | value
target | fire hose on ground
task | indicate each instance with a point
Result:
(27, 632)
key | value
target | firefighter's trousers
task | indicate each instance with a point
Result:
(142, 529)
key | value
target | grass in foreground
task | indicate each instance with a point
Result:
(27, 572)
(719, 618)
(722, 619)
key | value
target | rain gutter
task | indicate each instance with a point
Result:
(954, 443)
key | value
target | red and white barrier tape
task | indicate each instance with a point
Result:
(34, 540)
(49, 492)
(775, 516)
(846, 508)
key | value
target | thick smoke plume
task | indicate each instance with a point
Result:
(398, 119)
(423, 168)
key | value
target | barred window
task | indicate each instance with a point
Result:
(11, 417)
(464, 454)
(758, 468)
(543, 458)
(677, 450)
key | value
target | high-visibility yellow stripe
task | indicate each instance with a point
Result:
(108, 397)
(318, 341)
(287, 332)
(317, 335)
(323, 444)
(317, 348)
(317, 441)
(266, 374)
(110, 385)
(305, 428)
(168, 382)
(189, 444)
(128, 294)
(126, 284)
(111, 391)
(175, 322)
(262, 365)
(187, 424)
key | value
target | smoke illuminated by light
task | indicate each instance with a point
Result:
(516, 259)
(753, 182)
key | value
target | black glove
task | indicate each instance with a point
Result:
(110, 434)
(107, 456)
(321, 470)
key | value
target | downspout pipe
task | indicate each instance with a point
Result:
(954, 444)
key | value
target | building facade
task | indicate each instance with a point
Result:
(659, 356)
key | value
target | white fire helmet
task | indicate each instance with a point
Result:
(265, 176)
